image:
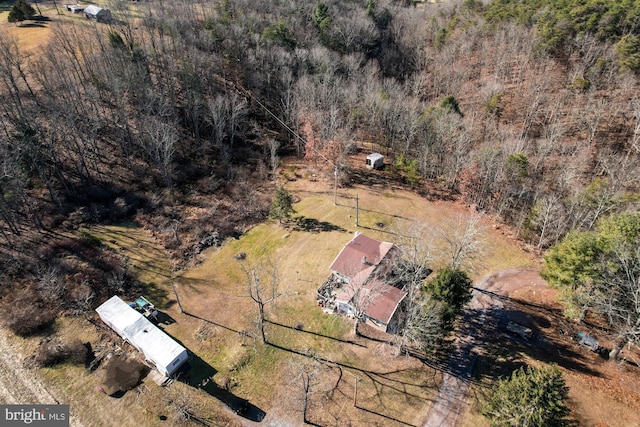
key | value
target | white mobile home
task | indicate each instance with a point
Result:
(97, 14)
(158, 347)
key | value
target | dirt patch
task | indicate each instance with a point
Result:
(121, 374)
(600, 391)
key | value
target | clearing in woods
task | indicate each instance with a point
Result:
(357, 378)
(215, 297)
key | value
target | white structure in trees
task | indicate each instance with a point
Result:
(375, 161)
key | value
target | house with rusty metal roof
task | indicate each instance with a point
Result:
(357, 286)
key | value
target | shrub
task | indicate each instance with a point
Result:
(90, 238)
(26, 314)
(494, 106)
(450, 103)
(580, 84)
(30, 320)
(53, 352)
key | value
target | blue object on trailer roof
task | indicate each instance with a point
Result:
(142, 302)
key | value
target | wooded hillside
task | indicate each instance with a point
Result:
(176, 113)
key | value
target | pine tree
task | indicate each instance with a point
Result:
(21, 11)
(453, 288)
(281, 205)
(534, 397)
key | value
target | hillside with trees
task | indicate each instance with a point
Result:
(177, 115)
(471, 99)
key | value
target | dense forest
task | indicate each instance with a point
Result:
(175, 116)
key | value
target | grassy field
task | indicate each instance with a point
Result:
(219, 324)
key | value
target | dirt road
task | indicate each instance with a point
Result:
(19, 385)
(451, 400)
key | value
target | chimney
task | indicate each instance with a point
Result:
(364, 260)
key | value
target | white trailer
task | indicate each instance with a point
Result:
(158, 348)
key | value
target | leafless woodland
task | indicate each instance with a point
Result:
(175, 116)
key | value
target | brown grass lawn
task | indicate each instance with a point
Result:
(31, 35)
(216, 291)
(220, 325)
(220, 329)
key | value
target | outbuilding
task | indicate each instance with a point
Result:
(158, 348)
(375, 161)
(74, 8)
(97, 14)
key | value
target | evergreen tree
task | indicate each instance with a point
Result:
(21, 11)
(453, 288)
(281, 204)
(599, 271)
(535, 397)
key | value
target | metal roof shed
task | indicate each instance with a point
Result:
(158, 347)
(375, 161)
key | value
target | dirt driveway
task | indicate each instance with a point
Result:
(482, 313)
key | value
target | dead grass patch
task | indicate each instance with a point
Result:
(31, 36)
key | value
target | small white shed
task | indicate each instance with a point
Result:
(74, 8)
(158, 347)
(375, 161)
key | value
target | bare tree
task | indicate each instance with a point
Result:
(50, 283)
(162, 147)
(262, 288)
(546, 217)
(308, 376)
(420, 322)
(590, 116)
(413, 262)
(363, 296)
(618, 296)
(635, 135)
(463, 238)
(273, 157)
(182, 402)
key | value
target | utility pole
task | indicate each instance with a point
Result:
(175, 291)
(335, 186)
(357, 210)
(355, 389)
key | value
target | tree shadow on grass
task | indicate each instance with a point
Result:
(32, 25)
(241, 333)
(199, 374)
(299, 329)
(389, 381)
(516, 331)
(313, 225)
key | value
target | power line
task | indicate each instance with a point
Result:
(245, 92)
